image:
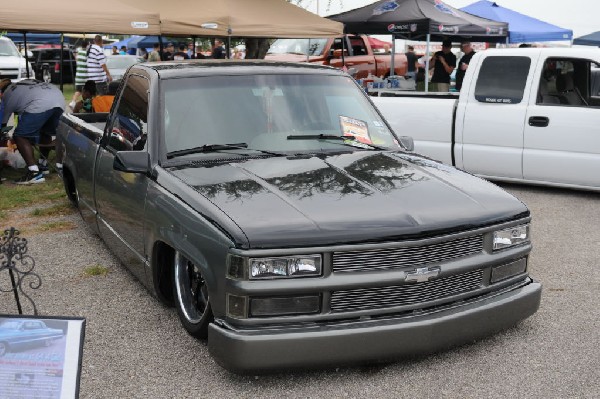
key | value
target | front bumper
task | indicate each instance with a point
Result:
(245, 351)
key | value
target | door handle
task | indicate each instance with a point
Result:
(539, 121)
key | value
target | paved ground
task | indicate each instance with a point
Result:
(135, 348)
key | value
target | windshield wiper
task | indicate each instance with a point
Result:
(354, 142)
(206, 148)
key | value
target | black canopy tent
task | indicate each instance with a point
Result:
(420, 20)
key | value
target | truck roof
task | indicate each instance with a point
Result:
(547, 51)
(172, 69)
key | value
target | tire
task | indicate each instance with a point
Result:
(191, 296)
(3, 348)
(46, 75)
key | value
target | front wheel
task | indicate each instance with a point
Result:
(191, 296)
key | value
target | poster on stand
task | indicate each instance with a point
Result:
(40, 356)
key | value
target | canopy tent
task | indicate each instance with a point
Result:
(379, 44)
(420, 20)
(522, 28)
(238, 18)
(68, 16)
(417, 19)
(593, 39)
(46, 38)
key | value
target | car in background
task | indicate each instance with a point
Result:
(12, 64)
(118, 64)
(46, 64)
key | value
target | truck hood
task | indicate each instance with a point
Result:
(364, 196)
(293, 57)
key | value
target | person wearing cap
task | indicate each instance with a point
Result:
(443, 63)
(463, 64)
(39, 106)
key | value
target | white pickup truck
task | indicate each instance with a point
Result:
(526, 115)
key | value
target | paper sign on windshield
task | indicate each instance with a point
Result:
(356, 128)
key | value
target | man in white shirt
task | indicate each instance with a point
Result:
(96, 66)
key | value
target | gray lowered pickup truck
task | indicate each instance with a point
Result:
(275, 209)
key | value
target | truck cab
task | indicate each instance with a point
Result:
(353, 51)
(534, 111)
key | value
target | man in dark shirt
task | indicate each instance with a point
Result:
(168, 53)
(218, 51)
(181, 54)
(463, 64)
(411, 62)
(443, 64)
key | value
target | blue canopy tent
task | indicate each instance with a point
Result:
(124, 42)
(46, 38)
(593, 39)
(521, 28)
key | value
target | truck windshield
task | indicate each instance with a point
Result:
(7, 48)
(264, 111)
(298, 46)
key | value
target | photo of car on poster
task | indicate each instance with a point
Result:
(40, 356)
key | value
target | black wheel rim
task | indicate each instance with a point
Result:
(192, 292)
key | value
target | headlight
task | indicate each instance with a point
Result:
(242, 268)
(284, 267)
(511, 237)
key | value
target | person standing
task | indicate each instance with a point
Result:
(218, 51)
(168, 54)
(412, 63)
(181, 54)
(39, 106)
(443, 63)
(463, 64)
(81, 74)
(115, 50)
(96, 64)
(155, 53)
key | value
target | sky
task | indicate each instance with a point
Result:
(579, 15)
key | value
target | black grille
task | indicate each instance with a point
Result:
(406, 294)
(395, 258)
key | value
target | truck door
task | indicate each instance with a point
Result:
(489, 125)
(120, 197)
(356, 58)
(561, 142)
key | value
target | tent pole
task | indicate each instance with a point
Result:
(427, 63)
(343, 48)
(392, 66)
(161, 47)
(26, 58)
(62, 59)
(308, 48)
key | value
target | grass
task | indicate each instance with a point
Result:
(68, 90)
(96, 270)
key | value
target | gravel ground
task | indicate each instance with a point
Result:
(135, 347)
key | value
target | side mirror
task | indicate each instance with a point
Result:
(407, 142)
(132, 161)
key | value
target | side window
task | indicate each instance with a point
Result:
(502, 80)
(569, 82)
(358, 45)
(130, 124)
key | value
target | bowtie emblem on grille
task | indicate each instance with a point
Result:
(422, 274)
